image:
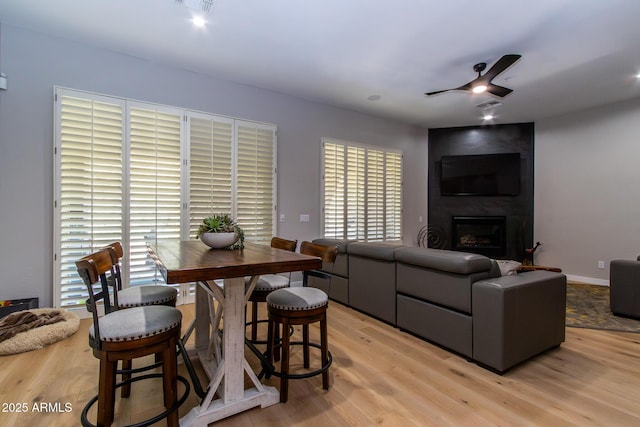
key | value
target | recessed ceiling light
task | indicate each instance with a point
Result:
(374, 97)
(638, 76)
(487, 117)
(198, 21)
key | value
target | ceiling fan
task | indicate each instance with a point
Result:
(482, 83)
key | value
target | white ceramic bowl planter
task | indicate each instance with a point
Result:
(218, 240)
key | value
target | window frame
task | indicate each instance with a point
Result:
(360, 155)
(186, 291)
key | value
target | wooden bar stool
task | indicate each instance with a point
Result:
(125, 335)
(299, 306)
(136, 296)
(266, 284)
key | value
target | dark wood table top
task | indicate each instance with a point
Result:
(193, 261)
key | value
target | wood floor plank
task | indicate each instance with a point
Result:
(380, 376)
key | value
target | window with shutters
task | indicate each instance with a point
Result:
(136, 172)
(255, 181)
(362, 191)
(154, 200)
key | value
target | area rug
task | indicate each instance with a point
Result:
(588, 307)
(41, 336)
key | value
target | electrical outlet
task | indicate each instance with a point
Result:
(281, 217)
(600, 264)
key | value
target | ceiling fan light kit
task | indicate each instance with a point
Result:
(482, 83)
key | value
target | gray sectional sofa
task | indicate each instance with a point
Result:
(454, 299)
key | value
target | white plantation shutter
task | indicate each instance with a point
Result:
(393, 200)
(256, 182)
(362, 192)
(356, 218)
(131, 172)
(154, 186)
(375, 195)
(88, 207)
(334, 191)
(210, 168)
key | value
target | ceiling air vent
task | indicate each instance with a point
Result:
(202, 5)
(489, 104)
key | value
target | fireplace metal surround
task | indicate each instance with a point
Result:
(484, 235)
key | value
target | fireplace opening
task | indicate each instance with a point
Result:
(484, 235)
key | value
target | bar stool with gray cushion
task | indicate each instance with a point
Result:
(136, 296)
(266, 284)
(299, 306)
(125, 335)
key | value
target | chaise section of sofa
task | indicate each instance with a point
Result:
(517, 317)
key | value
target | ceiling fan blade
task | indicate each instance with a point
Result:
(437, 92)
(503, 63)
(468, 86)
(498, 90)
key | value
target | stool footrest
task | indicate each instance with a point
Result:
(85, 422)
(310, 374)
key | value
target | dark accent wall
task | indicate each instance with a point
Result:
(511, 138)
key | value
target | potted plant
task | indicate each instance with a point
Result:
(220, 231)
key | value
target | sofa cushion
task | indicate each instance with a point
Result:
(444, 260)
(447, 328)
(439, 287)
(376, 250)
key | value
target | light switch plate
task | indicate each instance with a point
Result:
(304, 217)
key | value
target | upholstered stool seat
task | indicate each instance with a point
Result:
(135, 296)
(139, 296)
(136, 323)
(269, 282)
(297, 299)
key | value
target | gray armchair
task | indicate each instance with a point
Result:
(624, 288)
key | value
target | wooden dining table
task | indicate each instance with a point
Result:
(223, 359)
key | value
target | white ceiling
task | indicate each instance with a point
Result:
(576, 54)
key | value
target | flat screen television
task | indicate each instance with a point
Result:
(480, 175)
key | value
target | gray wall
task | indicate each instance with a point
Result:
(587, 204)
(34, 63)
(587, 190)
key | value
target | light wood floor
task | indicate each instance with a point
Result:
(380, 376)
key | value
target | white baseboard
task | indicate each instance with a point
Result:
(587, 280)
(570, 277)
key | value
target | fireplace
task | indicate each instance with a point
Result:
(484, 235)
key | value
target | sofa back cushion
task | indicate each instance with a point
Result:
(444, 260)
(439, 287)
